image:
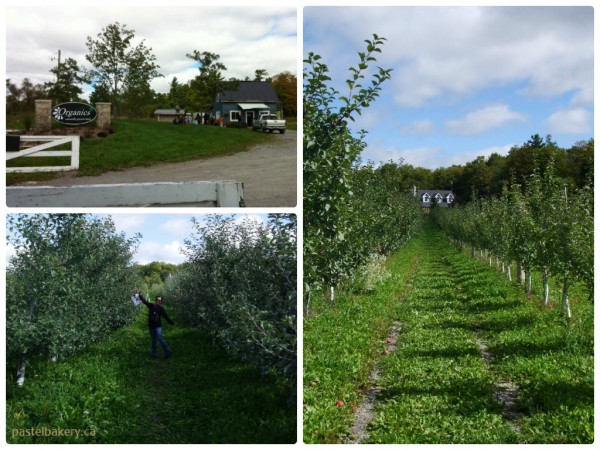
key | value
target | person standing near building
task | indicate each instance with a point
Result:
(155, 311)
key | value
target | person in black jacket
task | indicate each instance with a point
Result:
(155, 312)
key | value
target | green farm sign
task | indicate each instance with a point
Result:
(73, 113)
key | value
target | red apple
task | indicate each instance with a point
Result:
(340, 404)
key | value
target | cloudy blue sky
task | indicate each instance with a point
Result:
(246, 37)
(163, 234)
(466, 81)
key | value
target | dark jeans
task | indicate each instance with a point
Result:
(156, 334)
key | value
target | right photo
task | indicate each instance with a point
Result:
(448, 225)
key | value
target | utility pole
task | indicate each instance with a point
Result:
(57, 70)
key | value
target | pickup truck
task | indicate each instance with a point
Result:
(270, 123)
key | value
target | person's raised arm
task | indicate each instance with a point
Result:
(144, 301)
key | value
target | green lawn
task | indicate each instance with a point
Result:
(145, 142)
(437, 386)
(118, 393)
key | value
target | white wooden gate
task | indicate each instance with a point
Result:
(42, 150)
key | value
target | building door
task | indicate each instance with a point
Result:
(249, 117)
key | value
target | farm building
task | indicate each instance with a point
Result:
(431, 197)
(246, 103)
(167, 115)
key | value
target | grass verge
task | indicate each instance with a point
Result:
(146, 142)
(342, 342)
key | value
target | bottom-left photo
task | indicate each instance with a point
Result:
(151, 328)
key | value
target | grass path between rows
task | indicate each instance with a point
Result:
(474, 361)
(118, 393)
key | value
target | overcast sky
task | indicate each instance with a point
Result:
(466, 81)
(246, 38)
(163, 235)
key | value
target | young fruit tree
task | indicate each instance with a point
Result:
(331, 150)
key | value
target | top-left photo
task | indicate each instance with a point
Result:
(151, 106)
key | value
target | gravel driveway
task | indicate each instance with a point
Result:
(268, 171)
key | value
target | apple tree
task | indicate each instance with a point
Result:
(238, 285)
(68, 283)
(331, 150)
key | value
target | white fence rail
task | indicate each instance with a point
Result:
(42, 150)
(221, 193)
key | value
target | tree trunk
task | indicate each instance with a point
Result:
(509, 274)
(565, 298)
(21, 369)
(21, 372)
(520, 274)
(306, 308)
(331, 294)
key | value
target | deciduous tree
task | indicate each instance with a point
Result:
(69, 77)
(117, 65)
(68, 283)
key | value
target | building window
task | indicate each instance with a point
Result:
(235, 116)
(449, 198)
(426, 198)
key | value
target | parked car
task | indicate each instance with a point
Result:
(269, 123)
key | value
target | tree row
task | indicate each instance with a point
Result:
(68, 284)
(351, 211)
(543, 225)
(238, 285)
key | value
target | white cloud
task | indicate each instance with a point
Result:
(433, 157)
(472, 48)
(482, 120)
(583, 97)
(418, 127)
(246, 38)
(570, 121)
(128, 223)
(462, 158)
(417, 157)
(10, 252)
(152, 251)
(177, 227)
